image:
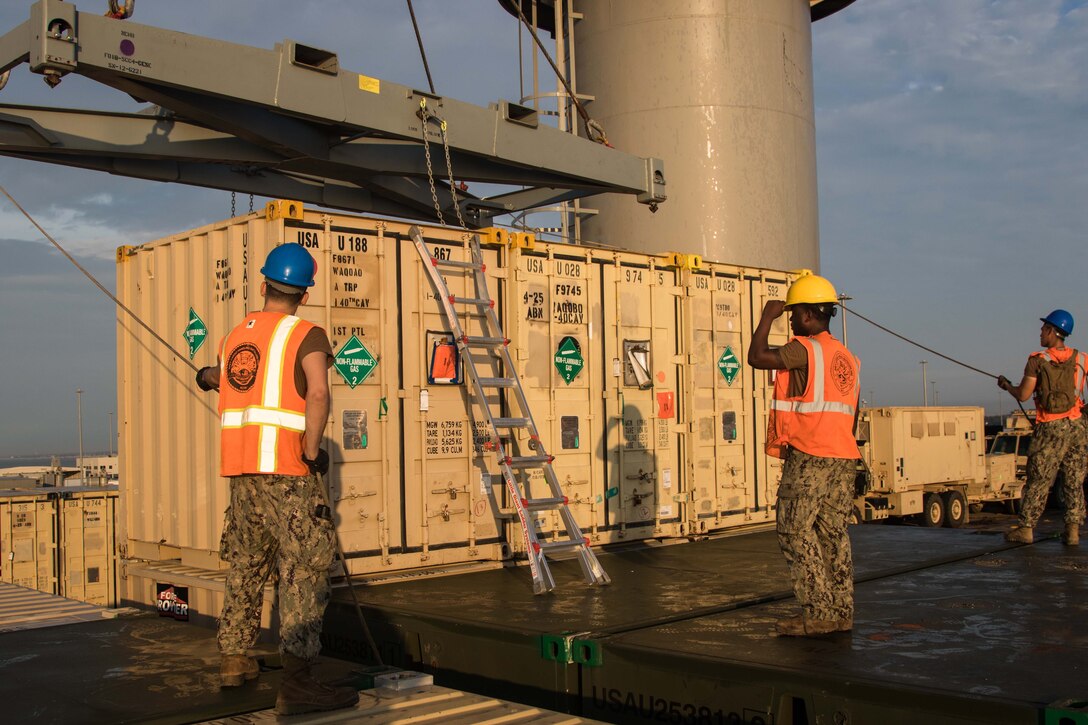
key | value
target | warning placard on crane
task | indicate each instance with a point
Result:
(196, 332)
(568, 359)
(729, 365)
(354, 362)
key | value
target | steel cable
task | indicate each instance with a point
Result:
(594, 131)
(96, 283)
(422, 52)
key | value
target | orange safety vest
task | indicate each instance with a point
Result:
(261, 413)
(820, 421)
(1041, 416)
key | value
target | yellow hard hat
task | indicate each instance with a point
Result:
(810, 289)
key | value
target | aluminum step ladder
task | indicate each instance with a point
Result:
(515, 469)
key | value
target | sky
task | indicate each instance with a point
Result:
(951, 153)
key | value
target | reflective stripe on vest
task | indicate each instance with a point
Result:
(273, 377)
(262, 426)
(818, 403)
(264, 416)
(820, 420)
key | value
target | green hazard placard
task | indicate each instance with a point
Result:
(568, 359)
(196, 332)
(354, 362)
(729, 365)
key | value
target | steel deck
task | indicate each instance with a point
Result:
(951, 626)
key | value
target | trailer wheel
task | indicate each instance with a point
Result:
(932, 510)
(955, 509)
(1012, 506)
(855, 516)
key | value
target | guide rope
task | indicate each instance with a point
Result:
(933, 352)
(96, 283)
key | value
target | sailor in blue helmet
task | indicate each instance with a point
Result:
(274, 401)
(1055, 376)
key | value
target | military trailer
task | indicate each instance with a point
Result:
(928, 461)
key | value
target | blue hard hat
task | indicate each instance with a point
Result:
(290, 264)
(1060, 320)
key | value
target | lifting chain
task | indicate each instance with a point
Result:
(233, 200)
(426, 115)
(121, 10)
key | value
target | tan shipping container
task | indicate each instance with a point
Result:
(619, 355)
(28, 542)
(61, 543)
(88, 552)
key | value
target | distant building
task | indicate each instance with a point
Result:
(100, 469)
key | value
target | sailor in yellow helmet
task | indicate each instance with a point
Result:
(811, 426)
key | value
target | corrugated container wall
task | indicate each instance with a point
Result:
(633, 365)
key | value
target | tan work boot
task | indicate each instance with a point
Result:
(800, 627)
(300, 692)
(1071, 536)
(234, 670)
(1020, 535)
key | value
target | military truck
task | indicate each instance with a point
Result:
(929, 462)
(1015, 439)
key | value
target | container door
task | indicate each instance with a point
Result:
(355, 301)
(88, 548)
(554, 311)
(450, 496)
(28, 543)
(722, 448)
(642, 349)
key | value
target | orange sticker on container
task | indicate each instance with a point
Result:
(666, 405)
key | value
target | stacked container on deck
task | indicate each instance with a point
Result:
(633, 365)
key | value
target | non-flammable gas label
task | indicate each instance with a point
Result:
(196, 332)
(568, 359)
(354, 362)
(729, 365)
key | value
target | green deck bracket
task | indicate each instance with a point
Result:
(555, 647)
(1073, 711)
(587, 652)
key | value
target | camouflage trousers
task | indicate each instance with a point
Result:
(1057, 445)
(273, 521)
(814, 503)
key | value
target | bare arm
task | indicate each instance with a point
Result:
(1022, 391)
(210, 376)
(760, 354)
(318, 401)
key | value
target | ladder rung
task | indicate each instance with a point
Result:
(478, 301)
(498, 382)
(484, 340)
(510, 422)
(452, 264)
(567, 545)
(528, 461)
(543, 504)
